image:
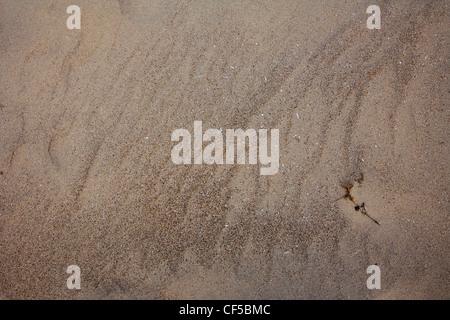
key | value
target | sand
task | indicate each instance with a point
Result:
(86, 176)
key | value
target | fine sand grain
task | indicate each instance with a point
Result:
(86, 176)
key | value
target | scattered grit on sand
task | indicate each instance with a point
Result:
(86, 176)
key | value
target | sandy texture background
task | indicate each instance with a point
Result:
(86, 176)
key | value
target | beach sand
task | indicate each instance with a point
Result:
(86, 176)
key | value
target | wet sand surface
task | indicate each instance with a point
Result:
(86, 176)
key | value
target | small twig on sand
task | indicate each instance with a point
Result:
(362, 209)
